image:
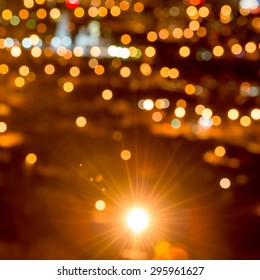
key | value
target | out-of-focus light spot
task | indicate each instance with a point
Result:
(199, 108)
(36, 52)
(137, 220)
(9, 42)
(179, 112)
(102, 11)
(255, 114)
(68, 87)
(124, 5)
(5, 110)
(233, 114)
(220, 151)
(28, 3)
(16, 51)
(49, 69)
(93, 12)
(152, 36)
(162, 103)
(125, 72)
(202, 32)
(55, 14)
(157, 116)
(177, 33)
(23, 14)
(196, 2)
(194, 25)
(99, 70)
(148, 104)
(3, 127)
(191, 11)
(125, 39)
(30, 159)
(150, 51)
(184, 51)
(190, 89)
(100, 205)
(174, 73)
(19, 81)
(78, 51)
(226, 10)
(107, 94)
(175, 123)
(188, 33)
(31, 24)
(138, 7)
(81, 121)
(74, 71)
(15, 20)
(146, 69)
(250, 47)
(216, 120)
(24, 70)
(26, 42)
(31, 77)
(93, 63)
(204, 12)
(164, 34)
(205, 122)
(207, 113)
(41, 13)
(119, 52)
(245, 121)
(95, 51)
(79, 12)
(218, 51)
(115, 11)
(4, 69)
(181, 103)
(225, 183)
(236, 49)
(125, 155)
(117, 135)
(41, 28)
(165, 71)
(7, 14)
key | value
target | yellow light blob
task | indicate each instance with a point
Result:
(179, 112)
(23, 14)
(137, 220)
(28, 3)
(199, 108)
(7, 14)
(125, 72)
(250, 47)
(126, 39)
(125, 155)
(138, 7)
(225, 183)
(150, 51)
(19, 82)
(81, 121)
(93, 63)
(220, 151)
(181, 103)
(226, 10)
(194, 25)
(100, 205)
(236, 49)
(107, 94)
(177, 33)
(102, 11)
(152, 36)
(188, 33)
(255, 114)
(207, 113)
(99, 70)
(146, 69)
(78, 51)
(174, 73)
(115, 11)
(68, 87)
(30, 159)
(165, 71)
(93, 12)
(95, 51)
(148, 104)
(233, 114)
(184, 51)
(216, 120)
(24, 70)
(164, 34)
(55, 13)
(49, 69)
(218, 51)
(190, 89)
(36, 52)
(157, 116)
(79, 12)
(204, 12)
(4, 69)
(41, 13)
(74, 71)
(191, 11)
(124, 5)
(16, 51)
(3, 127)
(245, 121)
(202, 32)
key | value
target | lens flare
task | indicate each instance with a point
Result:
(137, 220)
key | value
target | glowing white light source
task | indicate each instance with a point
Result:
(137, 220)
(249, 4)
